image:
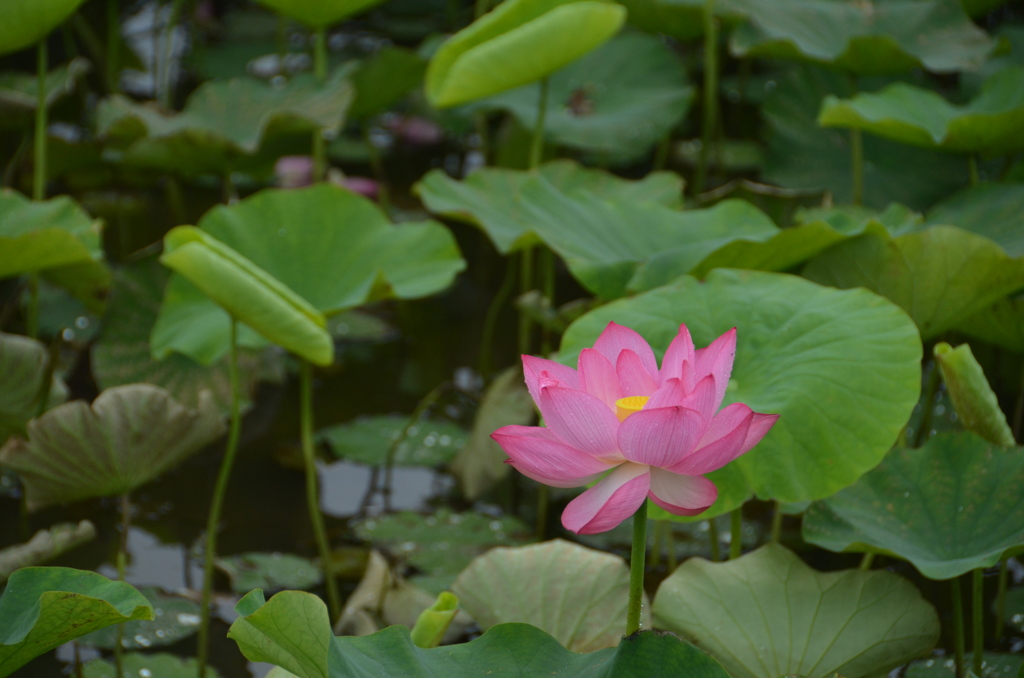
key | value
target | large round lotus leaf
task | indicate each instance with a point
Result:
(517, 43)
(489, 197)
(1001, 324)
(617, 101)
(43, 607)
(990, 123)
(56, 238)
(940, 275)
(948, 507)
(160, 664)
(121, 354)
(248, 293)
(23, 369)
(223, 123)
(174, 618)
(292, 631)
(841, 368)
(522, 584)
(368, 440)
(319, 13)
(802, 155)
(26, 23)
(44, 545)
(863, 36)
(333, 248)
(127, 437)
(768, 614)
(19, 92)
(995, 211)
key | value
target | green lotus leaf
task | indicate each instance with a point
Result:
(948, 507)
(897, 219)
(518, 585)
(994, 665)
(989, 124)
(121, 354)
(319, 13)
(864, 37)
(517, 43)
(383, 79)
(801, 155)
(842, 368)
(249, 571)
(26, 23)
(971, 394)
(995, 211)
(56, 238)
(248, 293)
(489, 197)
(680, 19)
(940, 275)
(368, 440)
(44, 545)
(23, 370)
(1001, 324)
(617, 101)
(174, 618)
(223, 123)
(292, 631)
(768, 614)
(128, 436)
(19, 92)
(335, 249)
(160, 664)
(43, 607)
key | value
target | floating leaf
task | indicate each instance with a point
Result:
(617, 101)
(517, 43)
(25, 24)
(223, 124)
(174, 618)
(19, 92)
(368, 440)
(948, 507)
(990, 123)
(841, 368)
(56, 238)
(23, 369)
(972, 396)
(319, 13)
(44, 545)
(442, 543)
(333, 248)
(995, 211)
(768, 614)
(273, 571)
(994, 665)
(488, 197)
(159, 664)
(43, 607)
(128, 436)
(481, 462)
(520, 584)
(865, 37)
(122, 356)
(292, 631)
(940, 275)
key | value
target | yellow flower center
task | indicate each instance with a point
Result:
(627, 406)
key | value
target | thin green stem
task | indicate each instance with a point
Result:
(1004, 578)
(958, 625)
(636, 570)
(661, 152)
(113, 46)
(501, 297)
(972, 170)
(320, 69)
(39, 160)
(978, 618)
(312, 498)
(777, 523)
(32, 313)
(547, 272)
(483, 132)
(164, 88)
(857, 165)
(525, 285)
(213, 518)
(122, 567)
(866, 560)
(710, 94)
(377, 165)
(537, 145)
(716, 549)
(928, 406)
(543, 504)
(736, 534)
(422, 406)
(657, 543)
(670, 547)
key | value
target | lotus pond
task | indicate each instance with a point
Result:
(361, 338)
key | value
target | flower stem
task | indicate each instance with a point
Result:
(978, 617)
(39, 164)
(491, 317)
(710, 93)
(636, 570)
(777, 523)
(312, 500)
(958, 625)
(525, 285)
(866, 560)
(213, 519)
(1004, 575)
(122, 566)
(736, 534)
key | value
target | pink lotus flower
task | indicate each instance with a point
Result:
(644, 432)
